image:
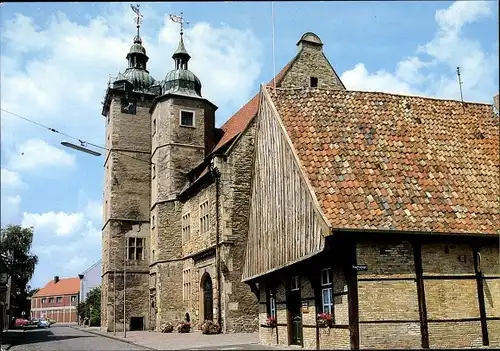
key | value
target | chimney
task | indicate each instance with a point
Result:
(311, 41)
(496, 102)
(56, 279)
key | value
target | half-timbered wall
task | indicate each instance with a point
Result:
(285, 224)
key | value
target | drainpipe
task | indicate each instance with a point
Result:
(216, 174)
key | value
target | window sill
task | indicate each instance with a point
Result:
(186, 126)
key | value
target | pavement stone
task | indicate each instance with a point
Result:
(185, 341)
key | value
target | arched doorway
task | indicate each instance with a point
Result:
(208, 302)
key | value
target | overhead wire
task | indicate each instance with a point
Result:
(83, 142)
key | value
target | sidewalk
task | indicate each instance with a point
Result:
(175, 341)
(9, 338)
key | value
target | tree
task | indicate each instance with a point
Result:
(91, 308)
(15, 249)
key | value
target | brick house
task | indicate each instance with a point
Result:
(57, 300)
(378, 209)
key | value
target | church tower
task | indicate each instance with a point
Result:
(127, 193)
(183, 124)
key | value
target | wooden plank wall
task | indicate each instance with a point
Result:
(285, 225)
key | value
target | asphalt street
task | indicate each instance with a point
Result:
(66, 338)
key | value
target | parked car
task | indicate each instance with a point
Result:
(21, 323)
(43, 323)
(51, 321)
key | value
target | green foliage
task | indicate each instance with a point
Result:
(91, 307)
(15, 250)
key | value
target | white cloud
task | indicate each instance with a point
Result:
(80, 57)
(14, 200)
(93, 211)
(445, 52)
(60, 223)
(35, 153)
(11, 179)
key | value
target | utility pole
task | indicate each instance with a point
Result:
(124, 286)
(114, 290)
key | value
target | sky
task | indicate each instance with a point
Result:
(56, 60)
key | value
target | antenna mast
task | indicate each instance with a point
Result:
(274, 56)
(460, 86)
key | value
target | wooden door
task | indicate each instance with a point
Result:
(208, 305)
(295, 313)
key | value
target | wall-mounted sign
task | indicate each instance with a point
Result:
(305, 306)
(360, 267)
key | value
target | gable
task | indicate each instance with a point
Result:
(311, 62)
(285, 224)
(391, 162)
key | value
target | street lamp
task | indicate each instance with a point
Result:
(81, 147)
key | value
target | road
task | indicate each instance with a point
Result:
(66, 338)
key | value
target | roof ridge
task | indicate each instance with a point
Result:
(91, 266)
(308, 89)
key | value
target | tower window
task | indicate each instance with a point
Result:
(153, 132)
(135, 248)
(187, 118)
(204, 217)
(314, 82)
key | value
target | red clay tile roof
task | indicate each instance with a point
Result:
(385, 161)
(65, 286)
(239, 121)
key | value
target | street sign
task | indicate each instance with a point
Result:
(360, 267)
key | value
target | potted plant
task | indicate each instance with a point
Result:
(209, 327)
(325, 320)
(183, 327)
(271, 321)
(166, 327)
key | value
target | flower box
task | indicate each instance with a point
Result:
(271, 322)
(325, 320)
(183, 327)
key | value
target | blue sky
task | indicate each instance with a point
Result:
(56, 59)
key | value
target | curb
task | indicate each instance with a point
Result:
(111, 337)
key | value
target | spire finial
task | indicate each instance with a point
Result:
(180, 20)
(138, 21)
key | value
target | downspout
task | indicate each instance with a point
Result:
(216, 174)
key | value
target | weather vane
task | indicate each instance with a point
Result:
(138, 19)
(180, 20)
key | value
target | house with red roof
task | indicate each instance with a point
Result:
(57, 300)
(318, 216)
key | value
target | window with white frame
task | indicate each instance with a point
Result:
(326, 290)
(295, 283)
(271, 303)
(73, 298)
(135, 248)
(204, 225)
(186, 227)
(44, 300)
(186, 284)
(187, 118)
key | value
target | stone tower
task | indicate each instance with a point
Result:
(183, 124)
(127, 190)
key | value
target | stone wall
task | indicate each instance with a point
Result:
(127, 184)
(311, 62)
(240, 305)
(199, 241)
